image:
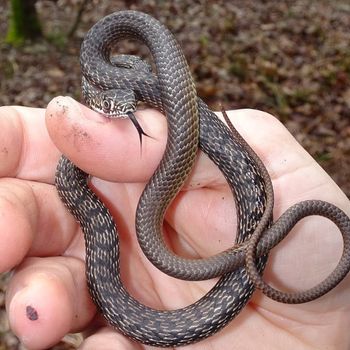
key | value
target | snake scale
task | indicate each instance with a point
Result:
(190, 125)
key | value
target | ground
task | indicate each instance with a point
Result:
(289, 58)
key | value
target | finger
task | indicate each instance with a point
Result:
(26, 150)
(109, 149)
(46, 299)
(33, 222)
(85, 136)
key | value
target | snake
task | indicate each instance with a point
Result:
(113, 85)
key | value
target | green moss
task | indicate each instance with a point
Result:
(23, 23)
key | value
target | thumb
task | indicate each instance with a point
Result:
(107, 148)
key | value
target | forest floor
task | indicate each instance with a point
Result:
(289, 58)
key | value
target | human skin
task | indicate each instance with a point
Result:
(44, 245)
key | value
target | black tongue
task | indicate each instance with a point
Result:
(137, 126)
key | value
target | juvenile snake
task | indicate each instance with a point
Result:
(190, 124)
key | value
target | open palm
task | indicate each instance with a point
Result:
(41, 239)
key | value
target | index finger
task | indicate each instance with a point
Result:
(26, 149)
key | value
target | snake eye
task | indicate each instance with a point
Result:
(106, 105)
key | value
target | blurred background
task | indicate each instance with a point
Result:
(289, 58)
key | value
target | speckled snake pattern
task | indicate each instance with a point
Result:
(190, 125)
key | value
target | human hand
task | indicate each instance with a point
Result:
(41, 238)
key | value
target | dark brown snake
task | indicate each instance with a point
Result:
(190, 124)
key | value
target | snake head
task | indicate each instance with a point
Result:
(114, 103)
(117, 103)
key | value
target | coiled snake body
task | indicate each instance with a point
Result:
(190, 123)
